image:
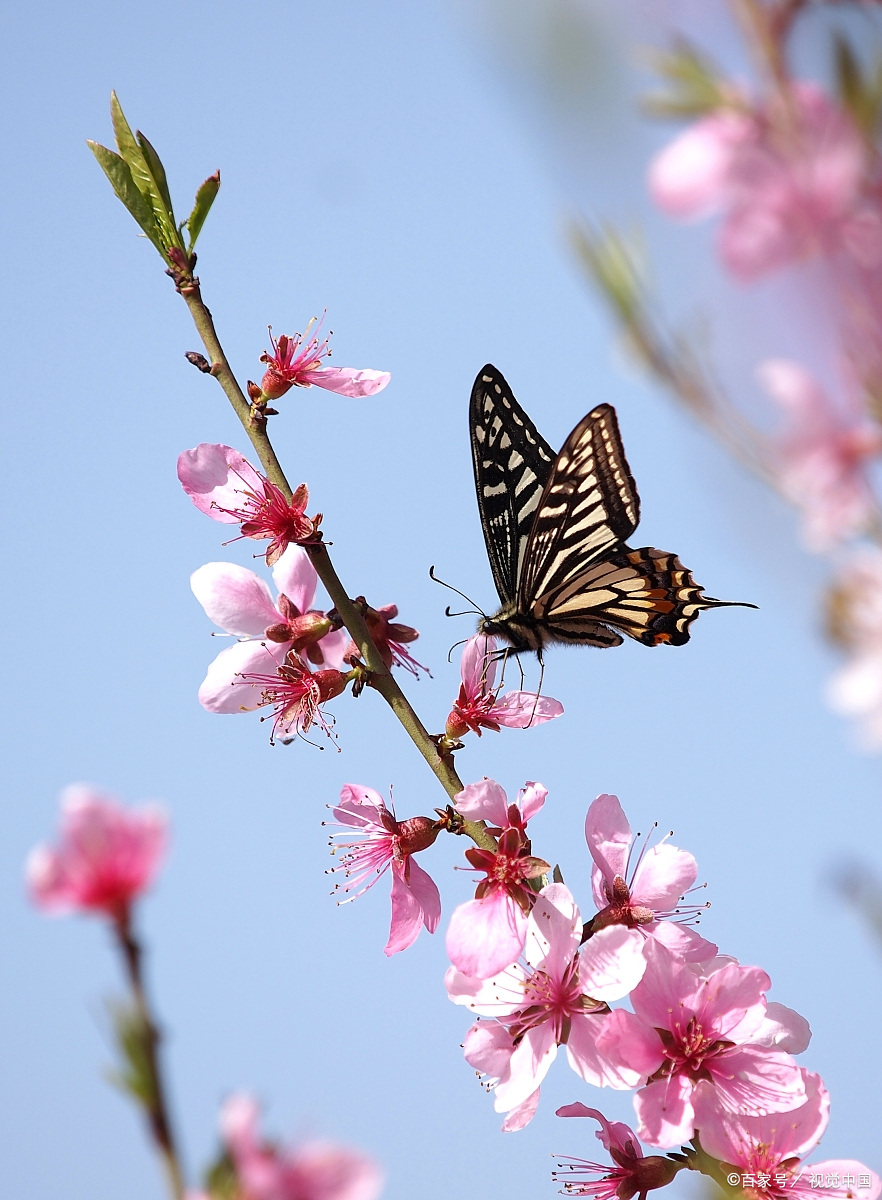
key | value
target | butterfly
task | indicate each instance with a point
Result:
(556, 526)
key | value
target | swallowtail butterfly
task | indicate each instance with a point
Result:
(556, 527)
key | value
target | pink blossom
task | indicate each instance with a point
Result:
(823, 454)
(772, 1146)
(658, 881)
(240, 602)
(785, 193)
(107, 855)
(687, 1025)
(632, 1175)
(855, 621)
(296, 362)
(487, 933)
(556, 997)
(479, 704)
(225, 486)
(384, 842)
(389, 636)
(296, 696)
(312, 1171)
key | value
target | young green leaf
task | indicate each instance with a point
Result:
(157, 170)
(136, 160)
(204, 200)
(117, 171)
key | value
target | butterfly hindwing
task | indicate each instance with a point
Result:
(589, 508)
(512, 463)
(647, 594)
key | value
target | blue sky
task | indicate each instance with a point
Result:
(379, 160)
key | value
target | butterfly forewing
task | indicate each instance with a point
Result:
(587, 510)
(512, 464)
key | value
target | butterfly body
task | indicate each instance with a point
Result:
(556, 525)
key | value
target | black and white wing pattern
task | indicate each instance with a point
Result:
(512, 464)
(589, 508)
(556, 527)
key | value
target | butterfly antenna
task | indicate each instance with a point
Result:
(477, 611)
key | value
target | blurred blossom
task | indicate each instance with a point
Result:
(310, 1171)
(106, 855)
(855, 622)
(787, 186)
(823, 453)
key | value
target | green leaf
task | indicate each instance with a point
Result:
(861, 94)
(696, 86)
(157, 170)
(221, 1182)
(202, 206)
(117, 171)
(133, 1039)
(136, 160)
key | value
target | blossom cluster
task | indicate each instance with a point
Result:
(792, 175)
(701, 1046)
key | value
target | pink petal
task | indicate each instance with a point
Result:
(333, 647)
(732, 1000)
(239, 1119)
(295, 577)
(630, 1043)
(485, 936)
(554, 931)
(612, 1134)
(612, 963)
(524, 710)
(477, 667)
(754, 1081)
(689, 177)
(783, 1029)
(407, 916)
(488, 1048)
(360, 804)
(424, 888)
(531, 798)
(234, 598)
(499, 996)
(682, 941)
(663, 876)
(528, 1066)
(483, 801)
(732, 1136)
(323, 1171)
(217, 476)
(665, 1113)
(608, 835)
(522, 1114)
(589, 1062)
(223, 691)
(347, 381)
